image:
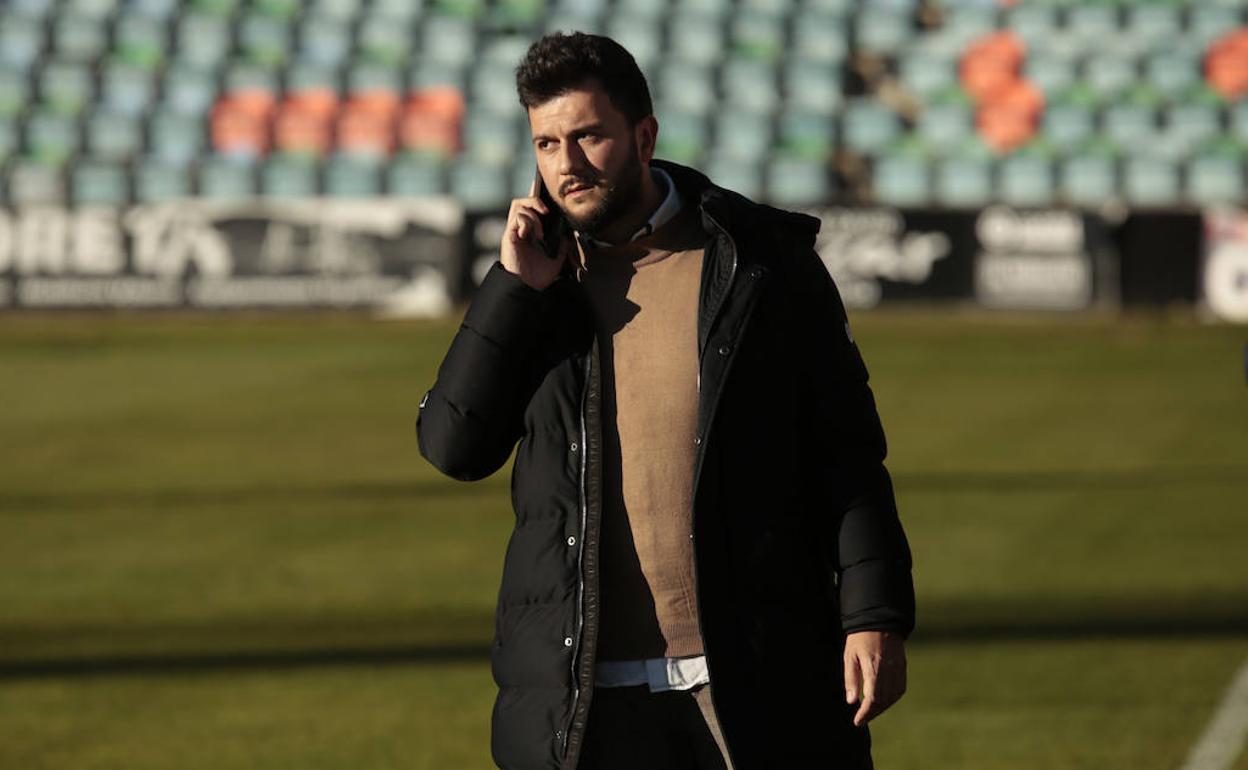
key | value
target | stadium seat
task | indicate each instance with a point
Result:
(925, 73)
(480, 186)
(797, 183)
(641, 35)
(740, 175)
(139, 41)
(698, 40)
(819, 37)
(1026, 180)
(338, 11)
(1051, 74)
(491, 138)
(758, 35)
(448, 40)
(226, 179)
(383, 40)
(804, 134)
(881, 30)
(1155, 23)
(1130, 125)
(188, 90)
(1150, 182)
(1035, 23)
(1208, 22)
(1172, 72)
(1108, 74)
(812, 86)
(742, 136)
(1087, 180)
(1092, 22)
(683, 135)
(51, 138)
(155, 10)
(690, 85)
(416, 177)
(494, 89)
(202, 41)
(36, 183)
(963, 182)
(264, 40)
(78, 38)
(21, 40)
(750, 85)
(324, 41)
(155, 181)
(99, 182)
(1213, 180)
(126, 89)
(175, 138)
(284, 176)
(14, 92)
(867, 126)
(66, 87)
(902, 180)
(113, 136)
(945, 127)
(10, 139)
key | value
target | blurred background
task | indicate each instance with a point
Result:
(221, 548)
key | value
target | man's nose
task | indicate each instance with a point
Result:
(571, 160)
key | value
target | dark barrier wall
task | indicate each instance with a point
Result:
(419, 257)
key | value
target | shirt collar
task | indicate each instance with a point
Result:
(666, 210)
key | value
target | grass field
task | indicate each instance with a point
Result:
(221, 548)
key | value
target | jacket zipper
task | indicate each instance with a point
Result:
(580, 558)
(732, 274)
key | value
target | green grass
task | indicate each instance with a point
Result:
(222, 549)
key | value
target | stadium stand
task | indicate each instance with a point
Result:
(903, 102)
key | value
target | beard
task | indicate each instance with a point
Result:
(617, 197)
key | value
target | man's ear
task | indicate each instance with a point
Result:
(646, 132)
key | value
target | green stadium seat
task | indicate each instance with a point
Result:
(945, 127)
(792, 182)
(97, 11)
(175, 138)
(691, 85)
(77, 38)
(901, 180)
(807, 135)
(1130, 125)
(480, 186)
(1035, 24)
(352, 176)
(1150, 182)
(716, 9)
(226, 179)
(264, 40)
(1215, 180)
(1026, 180)
(737, 174)
(155, 181)
(819, 37)
(113, 136)
(21, 40)
(374, 77)
(1092, 22)
(880, 30)
(494, 89)
(202, 41)
(777, 9)
(1154, 22)
(1173, 72)
(642, 37)
(218, 8)
(683, 135)
(396, 10)
(1067, 126)
(188, 90)
(324, 41)
(126, 89)
(742, 135)
(812, 86)
(464, 9)
(288, 177)
(505, 49)
(139, 41)
(758, 35)
(963, 182)
(490, 137)
(1051, 74)
(417, 177)
(650, 9)
(98, 182)
(750, 84)
(280, 9)
(305, 76)
(66, 87)
(449, 40)
(516, 14)
(1208, 22)
(383, 40)
(14, 92)
(925, 73)
(31, 9)
(1109, 74)
(566, 23)
(966, 21)
(1195, 122)
(836, 7)
(36, 183)
(697, 40)
(430, 75)
(1239, 122)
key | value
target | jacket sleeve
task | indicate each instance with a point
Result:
(470, 420)
(863, 539)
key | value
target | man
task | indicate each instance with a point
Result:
(707, 568)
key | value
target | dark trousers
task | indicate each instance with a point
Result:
(631, 728)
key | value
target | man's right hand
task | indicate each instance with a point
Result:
(522, 251)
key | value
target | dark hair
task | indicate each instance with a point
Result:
(557, 63)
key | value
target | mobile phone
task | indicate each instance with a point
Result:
(554, 225)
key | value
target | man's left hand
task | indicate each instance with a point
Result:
(875, 669)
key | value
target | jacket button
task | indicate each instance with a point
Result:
(572, 540)
(723, 350)
(573, 447)
(755, 272)
(567, 641)
(697, 440)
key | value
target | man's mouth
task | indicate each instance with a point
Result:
(576, 188)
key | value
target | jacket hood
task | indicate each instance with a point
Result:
(735, 213)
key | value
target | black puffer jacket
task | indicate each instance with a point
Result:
(797, 539)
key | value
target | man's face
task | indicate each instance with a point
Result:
(590, 157)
